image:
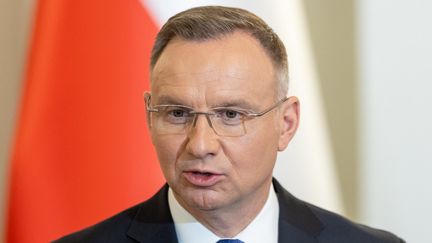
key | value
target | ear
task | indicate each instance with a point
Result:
(147, 95)
(289, 119)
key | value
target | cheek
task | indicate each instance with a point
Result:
(167, 150)
(263, 140)
(253, 154)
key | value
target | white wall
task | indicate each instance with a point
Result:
(395, 51)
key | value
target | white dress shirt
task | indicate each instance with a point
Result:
(264, 228)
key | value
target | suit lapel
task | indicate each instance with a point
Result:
(153, 221)
(297, 223)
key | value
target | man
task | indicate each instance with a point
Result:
(218, 114)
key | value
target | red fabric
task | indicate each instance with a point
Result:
(82, 152)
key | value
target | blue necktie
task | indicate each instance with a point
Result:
(229, 241)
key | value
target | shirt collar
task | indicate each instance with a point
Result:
(264, 228)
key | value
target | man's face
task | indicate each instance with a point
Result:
(207, 171)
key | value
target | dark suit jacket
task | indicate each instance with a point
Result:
(299, 222)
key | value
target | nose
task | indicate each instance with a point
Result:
(202, 139)
(197, 116)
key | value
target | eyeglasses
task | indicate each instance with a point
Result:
(179, 119)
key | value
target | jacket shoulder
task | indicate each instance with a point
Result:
(340, 229)
(128, 226)
(323, 225)
(109, 230)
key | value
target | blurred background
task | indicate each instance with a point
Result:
(373, 65)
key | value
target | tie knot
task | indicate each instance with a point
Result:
(229, 241)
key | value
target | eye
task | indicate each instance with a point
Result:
(176, 115)
(230, 116)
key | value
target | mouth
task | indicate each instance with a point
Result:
(202, 178)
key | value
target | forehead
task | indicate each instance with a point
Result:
(204, 71)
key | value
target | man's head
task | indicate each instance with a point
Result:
(216, 116)
(215, 22)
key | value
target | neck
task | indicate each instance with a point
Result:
(229, 221)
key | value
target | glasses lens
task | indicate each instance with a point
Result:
(228, 128)
(171, 120)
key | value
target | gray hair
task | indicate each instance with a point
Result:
(213, 22)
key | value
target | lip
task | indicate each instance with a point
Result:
(202, 178)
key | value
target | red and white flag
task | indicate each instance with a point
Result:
(81, 151)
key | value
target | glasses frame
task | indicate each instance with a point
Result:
(249, 115)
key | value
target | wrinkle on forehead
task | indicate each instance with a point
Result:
(210, 71)
(227, 54)
(208, 77)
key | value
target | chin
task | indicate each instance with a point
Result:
(204, 200)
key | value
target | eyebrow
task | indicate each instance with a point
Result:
(165, 99)
(236, 103)
(240, 103)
